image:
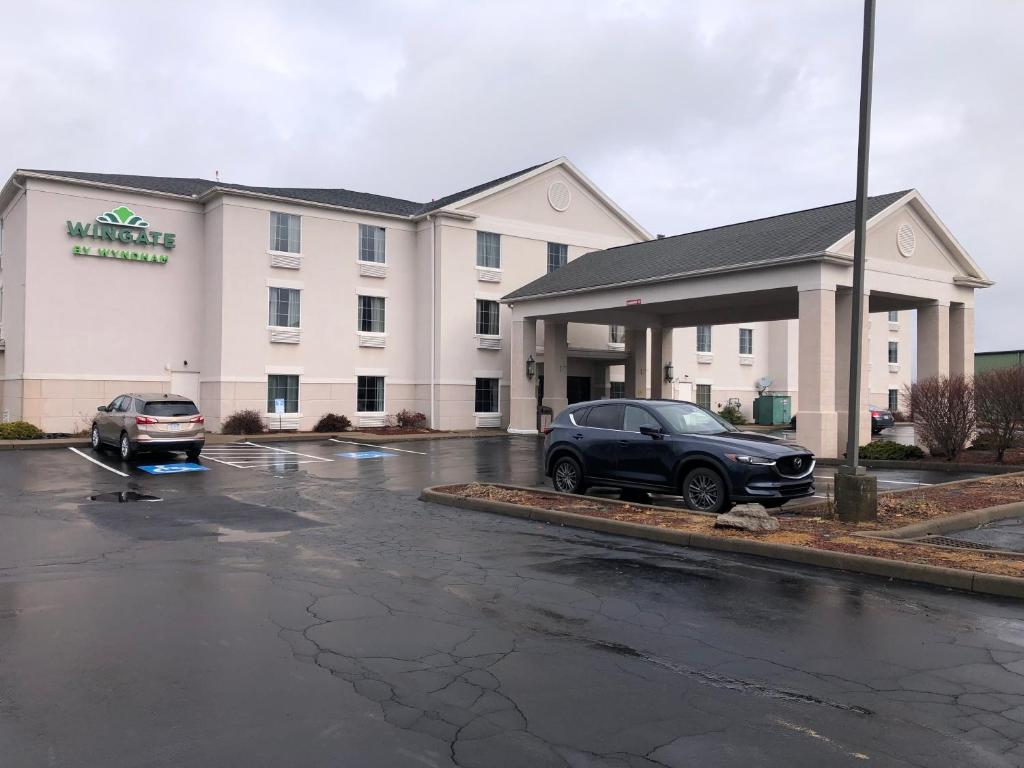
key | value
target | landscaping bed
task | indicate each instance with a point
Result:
(815, 533)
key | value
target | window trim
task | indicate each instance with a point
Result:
(497, 315)
(359, 245)
(383, 314)
(709, 350)
(893, 351)
(271, 326)
(750, 333)
(298, 399)
(497, 396)
(383, 395)
(273, 234)
(480, 234)
(563, 256)
(696, 396)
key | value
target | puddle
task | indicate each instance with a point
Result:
(124, 497)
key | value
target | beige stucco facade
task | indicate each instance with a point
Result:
(79, 329)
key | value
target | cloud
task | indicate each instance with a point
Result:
(688, 114)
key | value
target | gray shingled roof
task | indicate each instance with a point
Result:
(343, 198)
(776, 237)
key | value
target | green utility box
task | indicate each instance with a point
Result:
(772, 409)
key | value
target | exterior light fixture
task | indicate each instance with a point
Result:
(531, 367)
(670, 372)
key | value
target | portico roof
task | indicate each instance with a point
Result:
(775, 239)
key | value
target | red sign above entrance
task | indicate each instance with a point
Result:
(633, 302)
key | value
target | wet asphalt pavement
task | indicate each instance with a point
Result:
(306, 610)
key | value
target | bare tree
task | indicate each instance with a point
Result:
(944, 416)
(999, 398)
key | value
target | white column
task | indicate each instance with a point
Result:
(961, 339)
(816, 420)
(844, 319)
(523, 389)
(657, 363)
(556, 366)
(636, 362)
(932, 340)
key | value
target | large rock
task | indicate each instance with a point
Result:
(747, 517)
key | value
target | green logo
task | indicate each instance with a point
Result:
(122, 216)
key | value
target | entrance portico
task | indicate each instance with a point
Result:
(759, 271)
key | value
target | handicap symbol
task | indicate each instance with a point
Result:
(365, 455)
(173, 469)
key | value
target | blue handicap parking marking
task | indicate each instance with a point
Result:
(173, 469)
(365, 455)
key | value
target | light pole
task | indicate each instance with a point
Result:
(857, 492)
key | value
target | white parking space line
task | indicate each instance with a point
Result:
(293, 453)
(250, 455)
(881, 480)
(98, 463)
(379, 447)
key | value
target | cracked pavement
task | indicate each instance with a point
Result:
(320, 615)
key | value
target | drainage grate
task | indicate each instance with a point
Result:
(946, 541)
(124, 497)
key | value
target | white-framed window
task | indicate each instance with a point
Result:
(894, 400)
(486, 398)
(703, 394)
(488, 250)
(894, 316)
(370, 394)
(617, 390)
(703, 338)
(616, 334)
(558, 256)
(284, 308)
(283, 387)
(284, 232)
(371, 314)
(746, 341)
(894, 351)
(487, 318)
(371, 244)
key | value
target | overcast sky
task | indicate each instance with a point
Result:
(688, 114)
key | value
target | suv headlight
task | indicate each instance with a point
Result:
(761, 461)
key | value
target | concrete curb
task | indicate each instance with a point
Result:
(958, 522)
(934, 466)
(954, 578)
(270, 437)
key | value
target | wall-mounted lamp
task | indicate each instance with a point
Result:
(531, 367)
(670, 372)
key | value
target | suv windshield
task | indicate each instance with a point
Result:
(686, 419)
(170, 408)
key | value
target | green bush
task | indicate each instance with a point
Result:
(887, 449)
(248, 422)
(20, 430)
(332, 422)
(733, 415)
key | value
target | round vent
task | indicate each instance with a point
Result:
(559, 196)
(905, 240)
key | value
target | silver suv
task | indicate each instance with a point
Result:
(149, 422)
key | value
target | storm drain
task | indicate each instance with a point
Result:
(123, 497)
(946, 541)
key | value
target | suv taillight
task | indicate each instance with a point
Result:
(145, 420)
(874, 414)
(197, 420)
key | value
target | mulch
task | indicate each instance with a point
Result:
(817, 532)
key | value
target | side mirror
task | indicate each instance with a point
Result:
(654, 432)
(101, 408)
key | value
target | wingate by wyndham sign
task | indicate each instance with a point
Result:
(121, 226)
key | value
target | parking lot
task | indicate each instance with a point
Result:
(294, 604)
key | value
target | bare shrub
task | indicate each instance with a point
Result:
(999, 398)
(410, 419)
(944, 416)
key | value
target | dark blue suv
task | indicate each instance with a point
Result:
(673, 447)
